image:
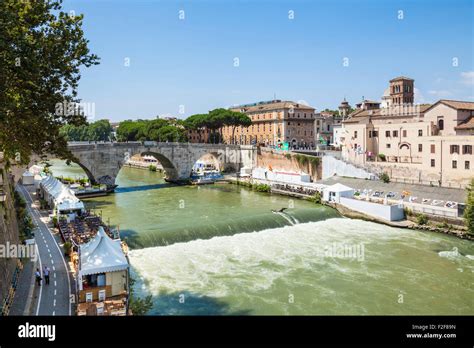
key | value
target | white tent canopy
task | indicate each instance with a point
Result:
(60, 195)
(70, 205)
(101, 254)
(338, 188)
(334, 192)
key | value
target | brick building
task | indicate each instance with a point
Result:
(274, 122)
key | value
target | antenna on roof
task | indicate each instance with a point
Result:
(274, 96)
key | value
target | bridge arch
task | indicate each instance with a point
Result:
(170, 170)
(103, 161)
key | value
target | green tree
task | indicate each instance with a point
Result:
(469, 210)
(152, 129)
(97, 131)
(41, 52)
(198, 123)
(172, 133)
(235, 119)
(131, 130)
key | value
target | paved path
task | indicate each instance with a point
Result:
(22, 300)
(420, 191)
(54, 299)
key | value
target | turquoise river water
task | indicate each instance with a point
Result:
(220, 250)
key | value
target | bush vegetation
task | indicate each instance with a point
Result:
(385, 178)
(421, 219)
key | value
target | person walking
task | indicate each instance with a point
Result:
(38, 277)
(46, 274)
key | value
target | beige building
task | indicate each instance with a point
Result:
(324, 126)
(274, 122)
(428, 144)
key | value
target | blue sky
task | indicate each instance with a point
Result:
(185, 66)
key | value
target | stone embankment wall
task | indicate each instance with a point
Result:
(279, 161)
(411, 173)
(333, 166)
(9, 233)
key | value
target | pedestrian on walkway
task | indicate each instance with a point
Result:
(46, 274)
(38, 277)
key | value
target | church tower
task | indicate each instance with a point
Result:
(401, 90)
(344, 108)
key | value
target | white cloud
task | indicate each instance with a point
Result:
(467, 77)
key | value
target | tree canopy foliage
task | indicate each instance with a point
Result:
(41, 51)
(176, 130)
(215, 120)
(97, 131)
(154, 130)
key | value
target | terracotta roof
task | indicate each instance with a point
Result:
(275, 106)
(466, 124)
(456, 104)
(401, 78)
(383, 113)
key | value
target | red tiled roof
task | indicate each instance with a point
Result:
(456, 104)
(467, 124)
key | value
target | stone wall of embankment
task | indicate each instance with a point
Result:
(289, 162)
(9, 233)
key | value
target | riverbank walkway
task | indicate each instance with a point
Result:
(52, 299)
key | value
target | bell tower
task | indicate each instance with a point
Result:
(401, 90)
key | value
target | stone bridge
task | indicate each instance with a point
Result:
(102, 161)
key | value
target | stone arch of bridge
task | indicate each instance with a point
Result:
(171, 171)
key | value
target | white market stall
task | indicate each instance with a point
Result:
(103, 265)
(60, 197)
(28, 178)
(334, 192)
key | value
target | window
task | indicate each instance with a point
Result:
(440, 124)
(454, 149)
(375, 134)
(432, 162)
(467, 149)
(101, 295)
(395, 133)
(389, 146)
(455, 164)
(420, 132)
(317, 122)
(432, 148)
(404, 133)
(288, 123)
(355, 134)
(467, 165)
(88, 296)
(420, 147)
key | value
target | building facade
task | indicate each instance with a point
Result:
(428, 144)
(274, 122)
(324, 126)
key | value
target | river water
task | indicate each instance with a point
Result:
(220, 249)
